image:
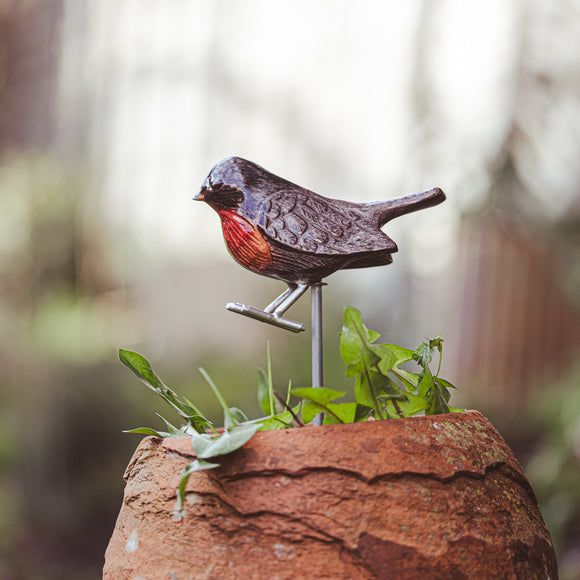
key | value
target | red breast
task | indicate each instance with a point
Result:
(245, 243)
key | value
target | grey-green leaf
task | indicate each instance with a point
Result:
(236, 415)
(206, 447)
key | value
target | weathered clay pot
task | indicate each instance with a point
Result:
(427, 497)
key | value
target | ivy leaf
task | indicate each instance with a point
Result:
(426, 383)
(334, 412)
(362, 413)
(354, 340)
(381, 386)
(446, 384)
(279, 421)
(340, 413)
(424, 354)
(401, 353)
(367, 359)
(413, 406)
(388, 359)
(437, 343)
(410, 380)
(438, 400)
(320, 395)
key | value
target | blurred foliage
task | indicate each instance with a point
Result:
(553, 465)
(61, 402)
(146, 108)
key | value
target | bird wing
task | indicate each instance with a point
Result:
(309, 222)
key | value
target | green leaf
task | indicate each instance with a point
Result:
(425, 383)
(438, 401)
(340, 413)
(366, 359)
(320, 395)
(410, 380)
(402, 354)
(310, 409)
(206, 447)
(280, 421)
(147, 431)
(438, 344)
(264, 392)
(388, 359)
(362, 413)
(413, 406)
(141, 367)
(197, 417)
(174, 431)
(382, 387)
(445, 384)
(354, 334)
(354, 343)
(336, 412)
(270, 380)
(424, 354)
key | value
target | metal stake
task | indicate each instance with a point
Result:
(317, 362)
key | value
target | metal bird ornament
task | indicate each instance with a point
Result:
(281, 230)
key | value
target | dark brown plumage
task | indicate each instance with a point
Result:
(278, 229)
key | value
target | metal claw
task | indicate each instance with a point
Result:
(272, 314)
(266, 317)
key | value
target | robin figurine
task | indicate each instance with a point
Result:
(281, 230)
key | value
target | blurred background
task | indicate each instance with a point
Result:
(111, 114)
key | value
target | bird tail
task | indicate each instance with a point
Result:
(388, 210)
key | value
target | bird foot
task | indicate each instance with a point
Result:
(266, 317)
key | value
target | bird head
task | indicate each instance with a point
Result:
(223, 188)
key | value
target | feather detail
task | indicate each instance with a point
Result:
(245, 243)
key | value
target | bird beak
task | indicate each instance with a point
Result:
(201, 194)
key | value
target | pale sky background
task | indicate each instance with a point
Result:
(322, 93)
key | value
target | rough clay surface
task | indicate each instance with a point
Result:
(436, 497)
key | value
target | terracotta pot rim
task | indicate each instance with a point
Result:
(441, 446)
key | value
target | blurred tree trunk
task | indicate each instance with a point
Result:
(29, 60)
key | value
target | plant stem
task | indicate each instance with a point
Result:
(218, 395)
(327, 410)
(270, 381)
(289, 409)
(375, 400)
(403, 379)
(440, 359)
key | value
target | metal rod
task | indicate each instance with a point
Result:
(317, 361)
